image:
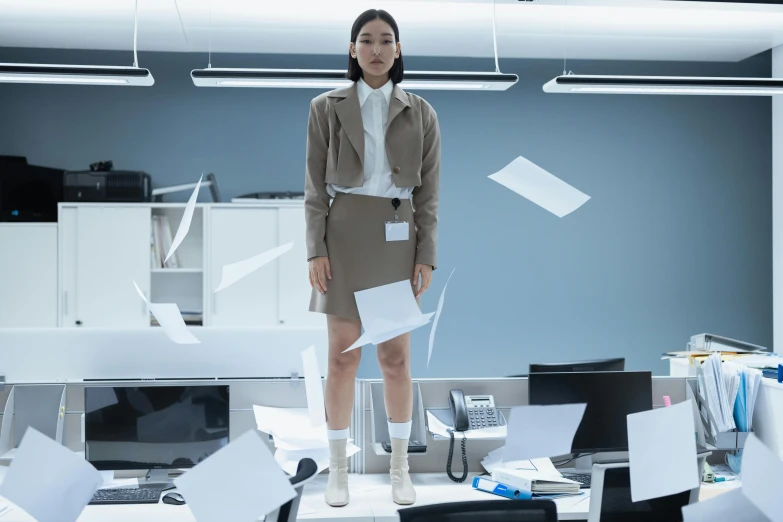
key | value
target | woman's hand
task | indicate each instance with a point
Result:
(320, 271)
(425, 272)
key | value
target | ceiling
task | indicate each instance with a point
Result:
(580, 29)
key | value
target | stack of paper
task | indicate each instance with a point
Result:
(712, 386)
(748, 389)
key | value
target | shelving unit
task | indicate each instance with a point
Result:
(185, 284)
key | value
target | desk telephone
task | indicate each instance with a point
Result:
(469, 412)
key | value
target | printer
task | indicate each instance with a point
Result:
(104, 185)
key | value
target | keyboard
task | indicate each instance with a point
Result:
(127, 496)
(582, 478)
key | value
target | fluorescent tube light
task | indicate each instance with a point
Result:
(688, 85)
(74, 74)
(333, 79)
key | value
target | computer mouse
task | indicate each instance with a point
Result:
(173, 498)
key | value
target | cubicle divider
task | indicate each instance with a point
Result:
(434, 393)
(244, 393)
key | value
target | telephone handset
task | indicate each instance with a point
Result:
(468, 413)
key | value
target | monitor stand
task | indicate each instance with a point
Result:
(583, 464)
(156, 478)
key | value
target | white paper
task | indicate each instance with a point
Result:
(290, 427)
(233, 272)
(539, 186)
(731, 505)
(170, 319)
(187, 217)
(437, 427)
(289, 459)
(437, 316)
(662, 452)
(382, 330)
(394, 302)
(49, 481)
(761, 472)
(313, 388)
(542, 431)
(240, 482)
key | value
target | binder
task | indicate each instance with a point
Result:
(496, 488)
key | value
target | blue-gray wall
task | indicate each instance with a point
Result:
(676, 239)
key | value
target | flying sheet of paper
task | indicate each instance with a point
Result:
(313, 388)
(290, 427)
(731, 505)
(437, 316)
(437, 427)
(240, 482)
(761, 472)
(394, 302)
(289, 459)
(170, 319)
(539, 186)
(235, 271)
(662, 452)
(381, 330)
(542, 431)
(184, 224)
(42, 465)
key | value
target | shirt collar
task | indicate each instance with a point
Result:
(364, 91)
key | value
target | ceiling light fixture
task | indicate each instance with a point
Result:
(335, 79)
(80, 74)
(572, 83)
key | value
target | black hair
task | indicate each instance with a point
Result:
(354, 70)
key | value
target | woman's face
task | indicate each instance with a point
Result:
(375, 48)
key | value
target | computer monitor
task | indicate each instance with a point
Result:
(154, 427)
(610, 397)
(616, 364)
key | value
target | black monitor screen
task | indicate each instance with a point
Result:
(610, 397)
(154, 427)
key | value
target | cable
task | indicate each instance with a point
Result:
(575, 456)
(464, 459)
(135, 34)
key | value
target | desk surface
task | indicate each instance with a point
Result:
(370, 501)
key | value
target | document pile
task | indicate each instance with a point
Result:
(718, 391)
(536, 476)
(730, 390)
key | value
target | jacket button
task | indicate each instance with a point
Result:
(396, 170)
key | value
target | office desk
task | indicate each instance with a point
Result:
(370, 502)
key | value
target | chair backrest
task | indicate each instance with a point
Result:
(484, 510)
(610, 498)
(306, 471)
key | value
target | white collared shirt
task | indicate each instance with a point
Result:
(377, 172)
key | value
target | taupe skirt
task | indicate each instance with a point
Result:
(359, 255)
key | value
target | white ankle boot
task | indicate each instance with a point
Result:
(402, 487)
(337, 486)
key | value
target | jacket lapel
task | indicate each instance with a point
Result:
(399, 101)
(350, 115)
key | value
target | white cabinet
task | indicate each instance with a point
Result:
(103, 250)
(293, 281)
(236, 234)
(28, 275)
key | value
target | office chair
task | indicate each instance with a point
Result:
(484, 510)
(610, 498)
(305, 472)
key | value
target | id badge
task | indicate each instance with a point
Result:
(397, 231)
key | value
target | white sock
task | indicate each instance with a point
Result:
(400, 430)
(337, 434)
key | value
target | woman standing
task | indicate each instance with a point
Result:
(373, 157)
